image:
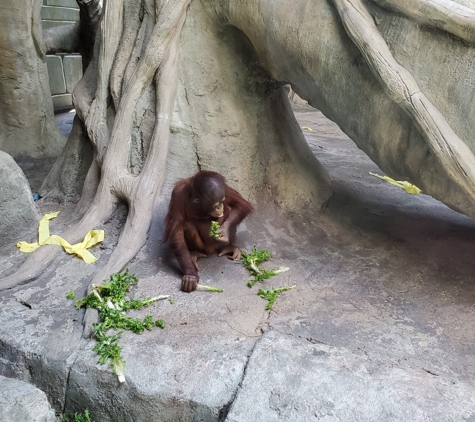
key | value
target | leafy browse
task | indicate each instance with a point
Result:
(271, 294)
(213, 229)
(109, 299)
(79, 417)
(252, 260)
(70, 295)
(265, 274)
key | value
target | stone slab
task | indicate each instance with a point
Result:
(293, 379)
(56, 75)
(21, 402)
(195, 383)
(41, 328)
(72, 65)
(59, 13)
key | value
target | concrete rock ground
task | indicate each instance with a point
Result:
(20, 402)
(379, 327)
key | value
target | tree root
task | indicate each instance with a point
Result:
(445, 15)
(89, 189)
(96, 122)
(32, 268)
(141, 193)
(90, 15)
(84, 91)
(114, 183)
(453, 154)
(133, 43)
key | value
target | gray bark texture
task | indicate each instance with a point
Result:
(177, 86)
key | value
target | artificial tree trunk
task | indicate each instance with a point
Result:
(27, 125)
(176, 86)
(228, 116)
(65, 181)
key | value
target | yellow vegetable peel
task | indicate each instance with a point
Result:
(80, 249)
(408, 187)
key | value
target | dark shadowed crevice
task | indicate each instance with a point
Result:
(223, 413)
(36, 169)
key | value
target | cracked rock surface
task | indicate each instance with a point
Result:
(378, 328)
(20, 402)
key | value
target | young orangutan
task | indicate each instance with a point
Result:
(195, 203)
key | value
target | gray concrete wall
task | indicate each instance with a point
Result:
(64, 70)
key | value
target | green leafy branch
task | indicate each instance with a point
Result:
(252, 260)
(78, 417)
(272, 294)
(109, 300)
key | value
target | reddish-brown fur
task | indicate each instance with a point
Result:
(188, 223)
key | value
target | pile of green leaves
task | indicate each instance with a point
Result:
(272, 294)
(78, 417)
(252, 261)
(213, 229)
(110, 301)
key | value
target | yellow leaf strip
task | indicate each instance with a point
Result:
(80, 249)
(408, 187)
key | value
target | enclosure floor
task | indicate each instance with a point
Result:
(380, 325)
